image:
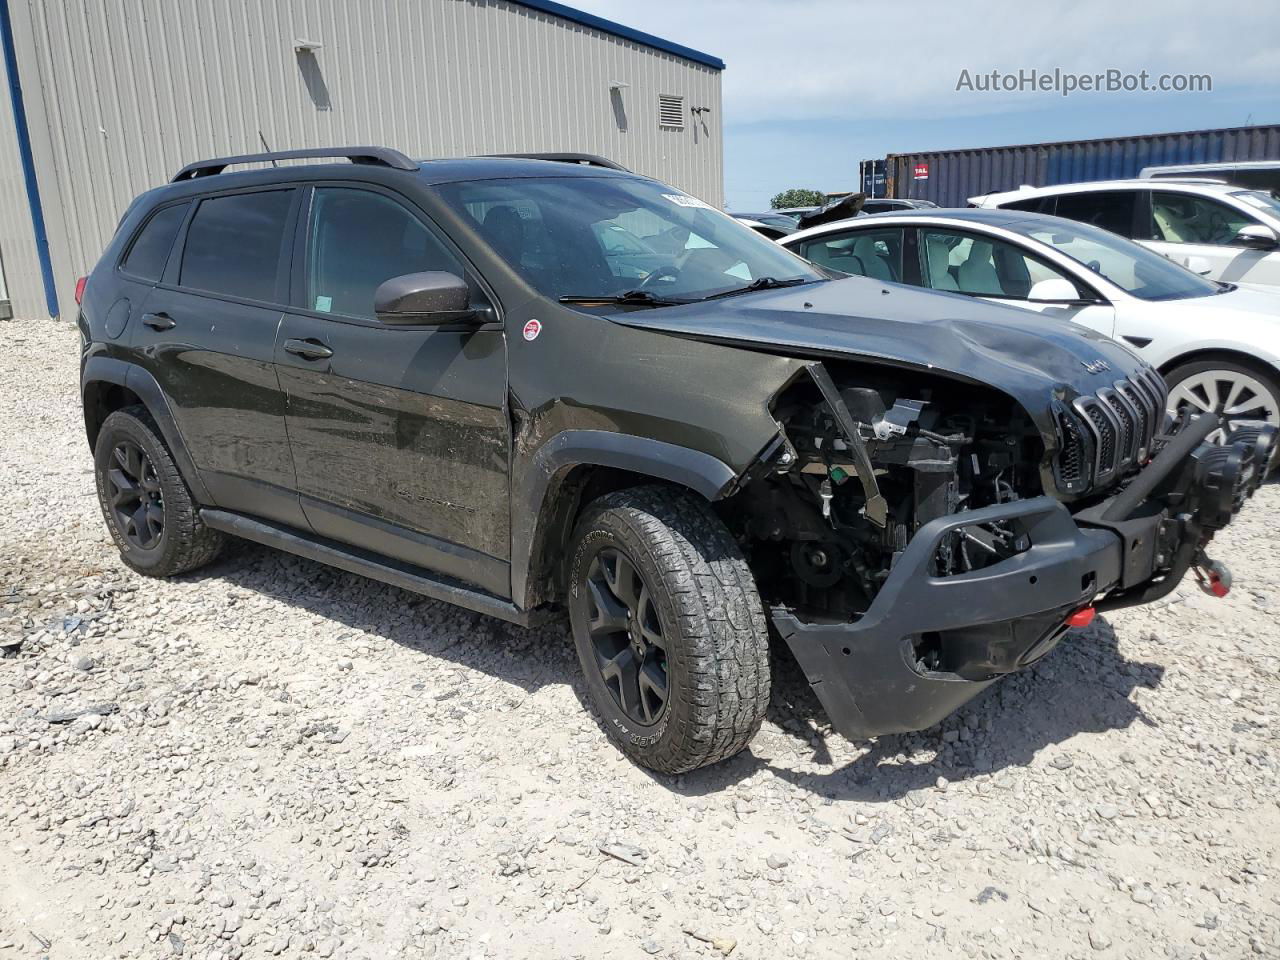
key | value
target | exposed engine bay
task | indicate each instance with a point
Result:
(870, 455)
(826, 521)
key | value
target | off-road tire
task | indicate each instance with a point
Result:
(717, 663)
(185, 543)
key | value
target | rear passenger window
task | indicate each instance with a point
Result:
(233, 244)
(360, 239)
(1109, 209)
(150, 250)
(1034, 205)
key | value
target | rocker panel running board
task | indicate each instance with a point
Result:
(403, 575)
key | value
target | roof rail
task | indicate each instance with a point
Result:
(1188, 179)
(377, 156)
(585, 159)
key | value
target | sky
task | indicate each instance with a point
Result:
(811, 87)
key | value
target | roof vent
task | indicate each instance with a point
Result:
(670, 111)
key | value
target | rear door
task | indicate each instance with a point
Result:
(1115, 210)
(207, 334)
(400, 434)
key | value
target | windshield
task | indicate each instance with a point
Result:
(589, 237)
(1266, 202)
(1131, 267)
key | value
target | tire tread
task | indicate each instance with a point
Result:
(722, 623)
(190, 544)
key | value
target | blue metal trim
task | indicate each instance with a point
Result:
(618, 30)
(28, 163)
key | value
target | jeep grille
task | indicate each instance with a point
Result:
(1112, 432)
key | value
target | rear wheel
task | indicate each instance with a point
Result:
(669, 628)
(1243, 393)
(148, 508)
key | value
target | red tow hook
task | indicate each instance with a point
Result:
(1081, 618)
(1213, 576)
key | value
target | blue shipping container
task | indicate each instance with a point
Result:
(950, 177)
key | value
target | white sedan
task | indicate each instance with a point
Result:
(1217, 344)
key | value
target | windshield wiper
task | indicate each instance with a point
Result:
(632, 298)
(763, 283)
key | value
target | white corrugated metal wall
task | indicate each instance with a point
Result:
(18, 257)
(121, 93)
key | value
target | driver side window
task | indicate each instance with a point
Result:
(980, 266)
(1188, 218)
(358, 240)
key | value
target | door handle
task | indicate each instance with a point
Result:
(308, 349)
(159, 321)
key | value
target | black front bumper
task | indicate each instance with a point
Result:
(869, 674)
(929, 643)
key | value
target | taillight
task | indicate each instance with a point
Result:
(80, 289)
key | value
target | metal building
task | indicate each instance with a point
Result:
(111, 97)
(950, 177)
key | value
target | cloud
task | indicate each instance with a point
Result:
(798, 59)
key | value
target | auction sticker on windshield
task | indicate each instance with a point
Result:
(680, 200)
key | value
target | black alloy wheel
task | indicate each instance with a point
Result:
(627, 637)
(668, 626)
(135, 497)
(150, 512)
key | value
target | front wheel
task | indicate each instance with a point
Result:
(1243, 394)
(669, 628)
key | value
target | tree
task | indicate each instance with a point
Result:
(798, 197)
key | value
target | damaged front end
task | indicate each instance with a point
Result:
(917, 537)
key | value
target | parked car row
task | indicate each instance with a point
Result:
(1185, 272)
(1217, 344)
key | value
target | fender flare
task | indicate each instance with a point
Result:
(701, 472)
(132, 377)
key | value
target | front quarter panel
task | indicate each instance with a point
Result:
(1243, 321)
(586, 390)
(583, 371)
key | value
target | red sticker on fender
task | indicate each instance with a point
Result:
(532, 329)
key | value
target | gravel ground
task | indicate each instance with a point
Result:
(272, 758)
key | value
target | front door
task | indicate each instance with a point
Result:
(1199, 233)
(988, 267)
(207, 334)
(400, 434)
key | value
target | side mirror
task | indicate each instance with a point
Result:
(1053, 290)
(1256, 236)
(1200, 265)
(423, 299)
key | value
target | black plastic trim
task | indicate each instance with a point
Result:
(378, 156)
(700, 472)
(862, 671)
(402, 575)
(135, 378)
(583, 159)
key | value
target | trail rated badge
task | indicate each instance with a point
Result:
(532, 329)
